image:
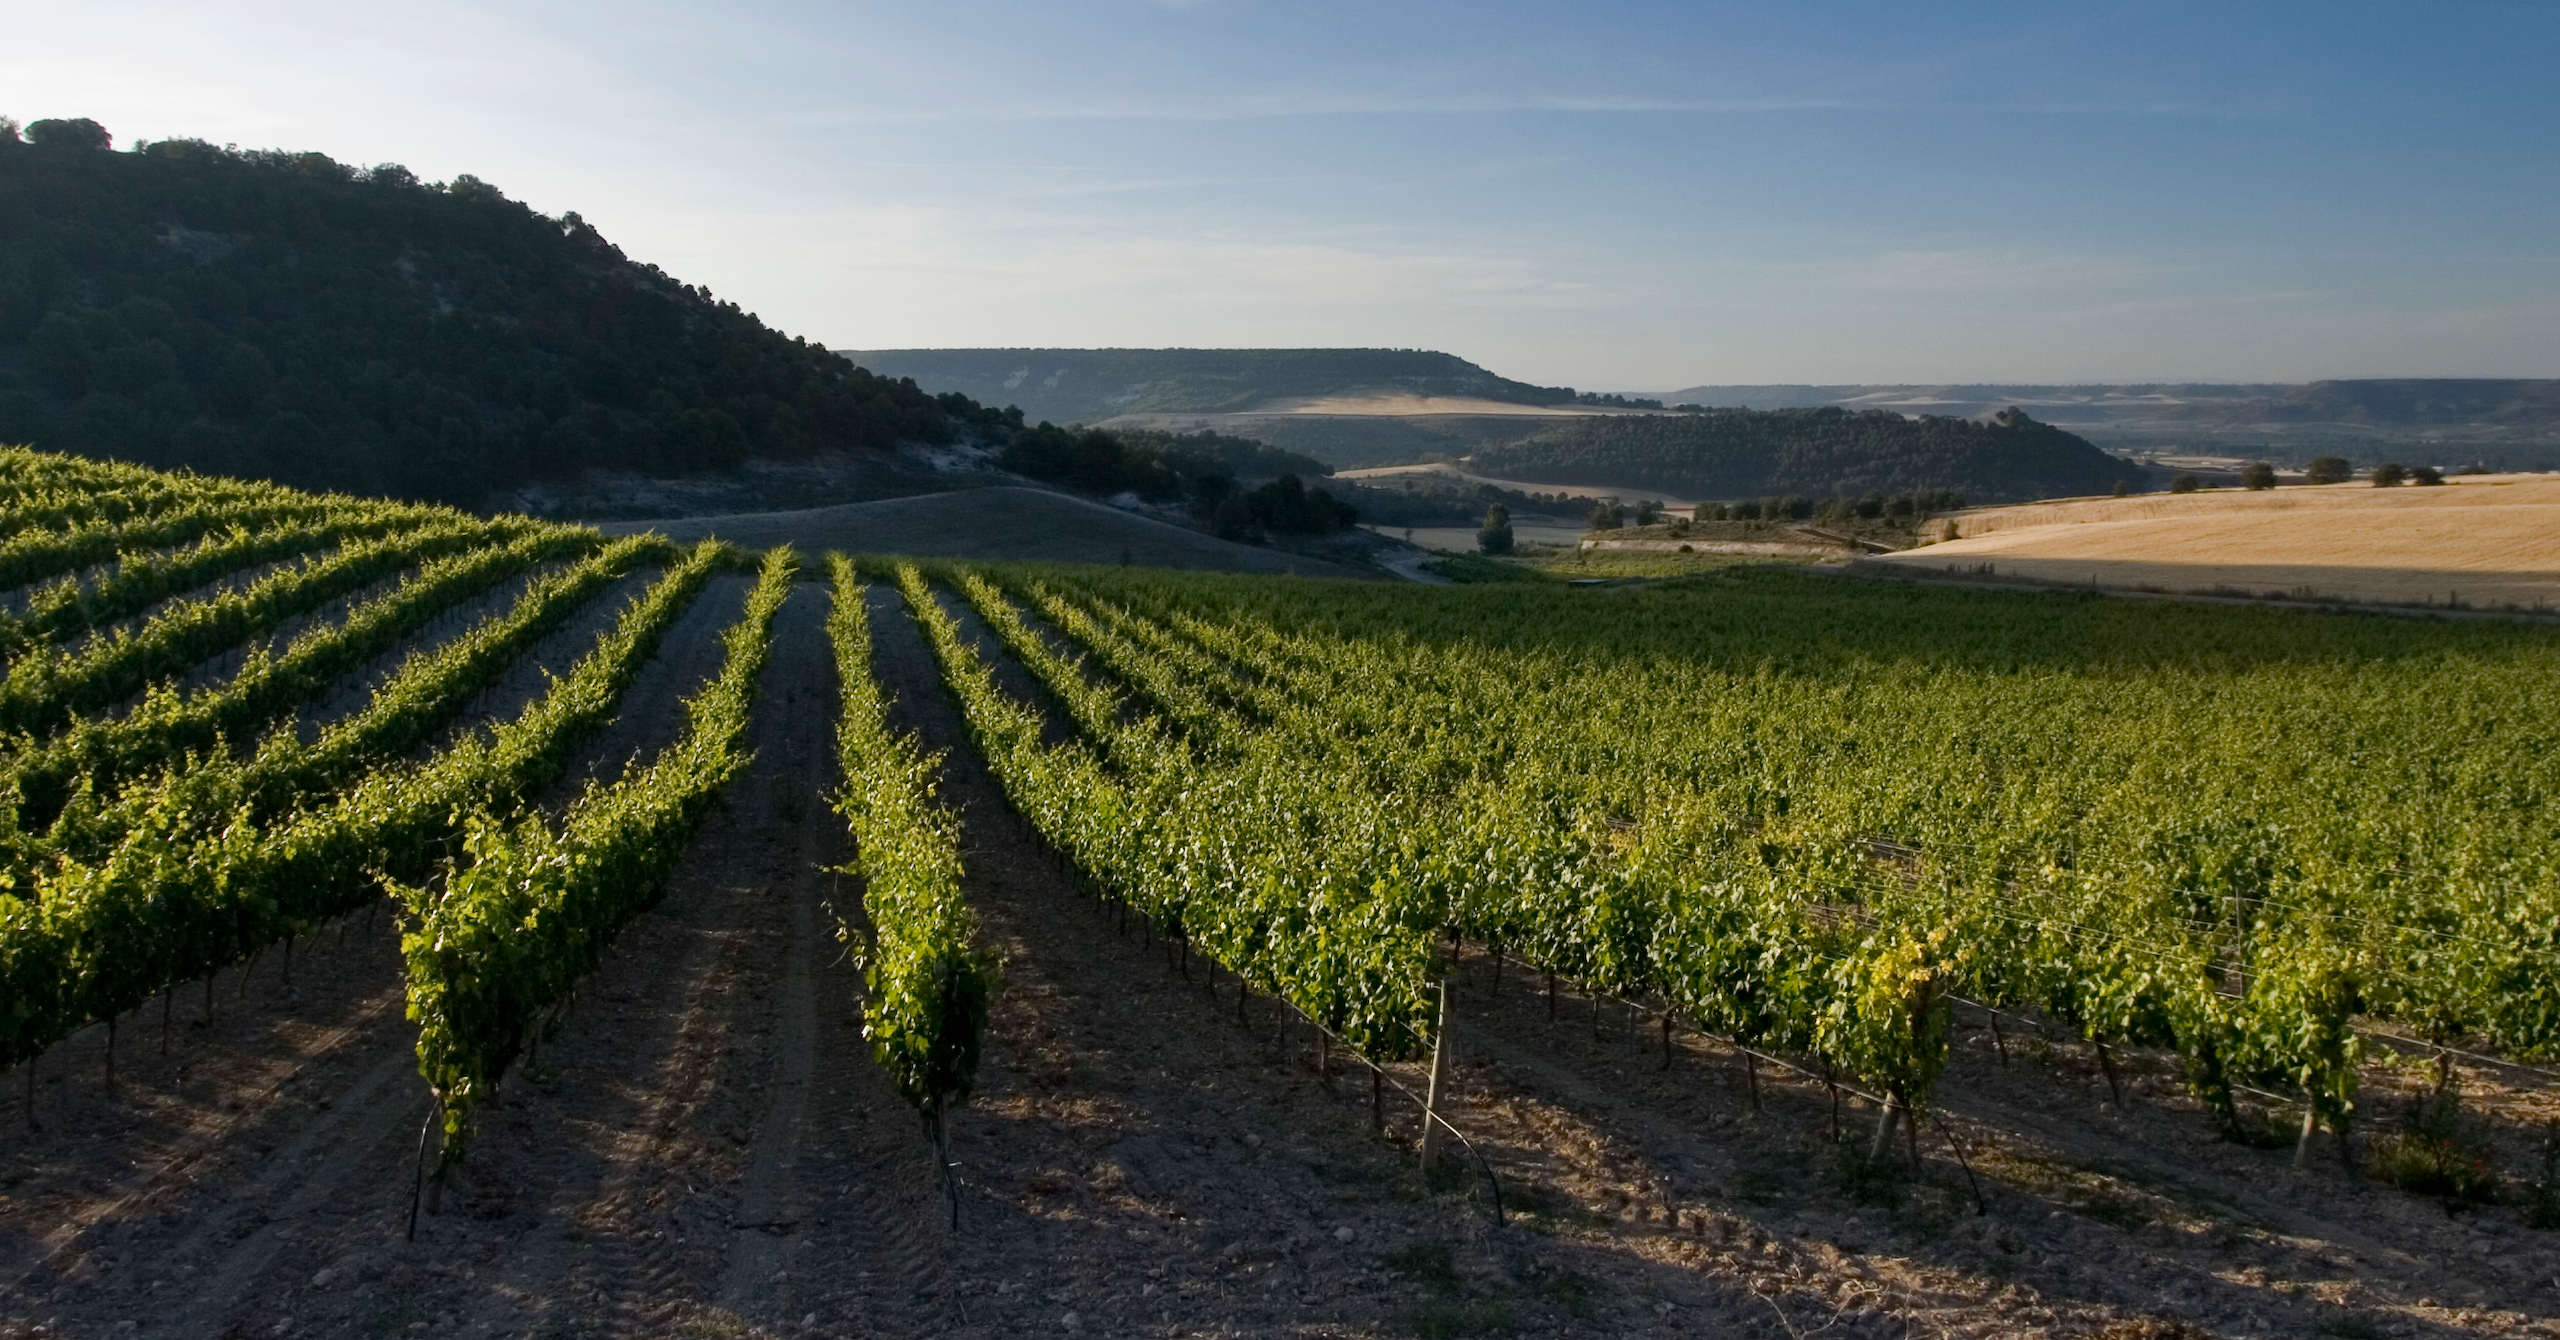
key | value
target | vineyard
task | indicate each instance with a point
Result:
(557, 933)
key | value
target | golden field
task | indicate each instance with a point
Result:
(2482, 540)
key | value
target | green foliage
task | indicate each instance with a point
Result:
(1605, 514)
(73, 134)
(2436, 1154)
(929, 985)
(1202, 452)
(533, 907)
(1816, 452)
(2161, 826)
(48, 687)
(168, 722)
(2426, 474)
(282, 316)
(194, 865)
(1494, 536)
(1197, 849)
(1200, 468)
(2185, 481)
(2325, 470)
(1285, 506)
(2259, 475)
(2390, 474)
(1469, 568)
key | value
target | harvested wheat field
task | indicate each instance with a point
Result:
(2481, 541)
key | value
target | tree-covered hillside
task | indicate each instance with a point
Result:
(1089, 385)
(1818, 453)
(287, 317)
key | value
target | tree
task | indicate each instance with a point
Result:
(8, 130)
(2258, 475)
(2185, 481)
(2426, 474)
(1606, 514)
(1648, 512)
(74, 133)
(2390, 474)
(1495, 536)
(2328, 470)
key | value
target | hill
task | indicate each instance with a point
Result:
(1090, 385)
(2484, 540)
(2511, 422)
(287, 317)
(1818, 453)
(988, 524)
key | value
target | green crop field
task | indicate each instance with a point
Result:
(2275, 875)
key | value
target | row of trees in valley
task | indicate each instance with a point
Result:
(2322, 470)
(1738, 453)
(1202, 470)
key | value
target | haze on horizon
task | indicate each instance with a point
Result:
(1614, 195)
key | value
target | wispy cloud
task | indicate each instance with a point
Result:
(1294, 104)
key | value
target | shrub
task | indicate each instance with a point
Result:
(2431, 1165)
(2261, 475)
(2328, 470)
(2390, 474)
(2435, 1155)
(2185, 482)
(2426, 474)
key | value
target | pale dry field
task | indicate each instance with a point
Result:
(2487, 540)
(1391, 403)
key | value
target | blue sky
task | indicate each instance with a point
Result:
(1618, 195)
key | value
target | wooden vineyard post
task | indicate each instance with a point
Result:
(1432, 1097)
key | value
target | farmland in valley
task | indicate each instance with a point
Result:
(2482, 540)
(414, 921)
